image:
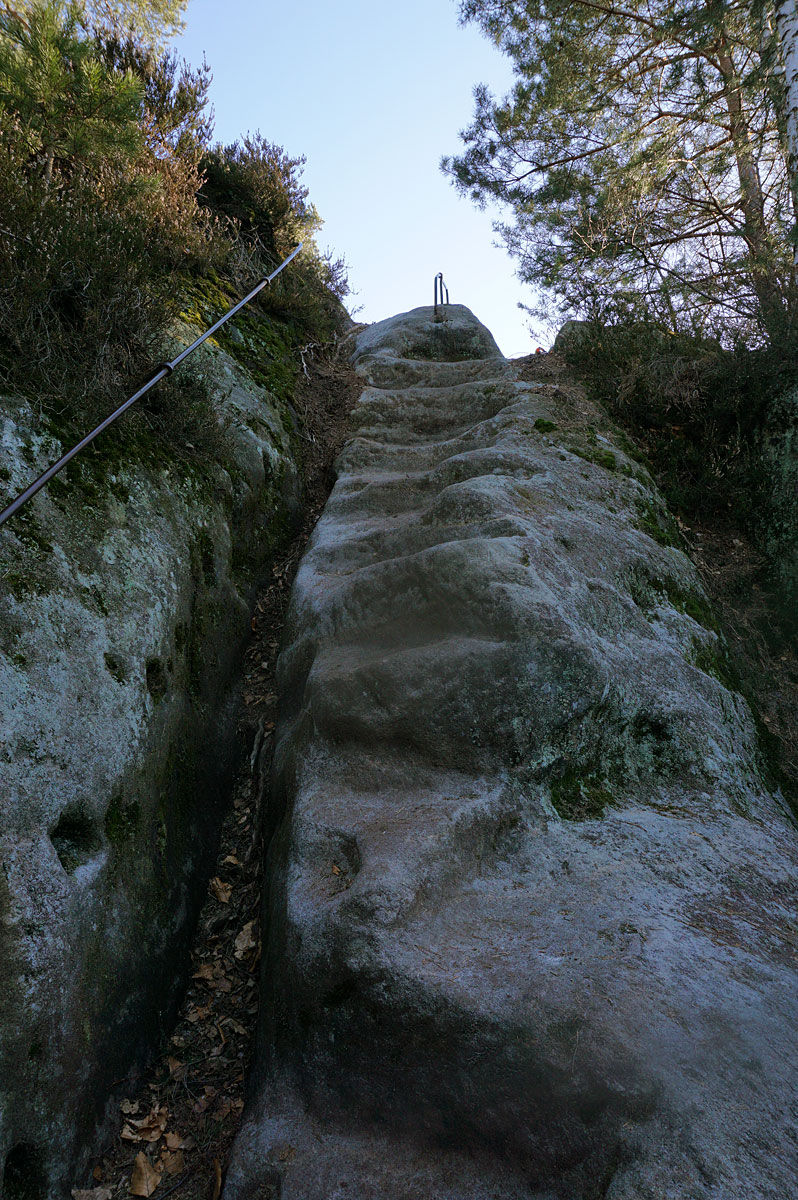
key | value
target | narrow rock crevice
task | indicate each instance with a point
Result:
(175, 1123)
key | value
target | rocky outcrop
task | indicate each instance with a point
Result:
(124, 600)
(532, 922)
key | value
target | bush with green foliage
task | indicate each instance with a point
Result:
(256, 187)
(114, 209)
(697, 408)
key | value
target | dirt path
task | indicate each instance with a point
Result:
(177, 1121)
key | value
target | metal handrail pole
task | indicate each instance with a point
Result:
(440, 290)
(232, 312)
(53, 470)
(161, 372)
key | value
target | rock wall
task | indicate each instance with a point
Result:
(124, 601)
(532, 919)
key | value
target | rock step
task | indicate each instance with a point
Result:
(404, 372)
(531, 915)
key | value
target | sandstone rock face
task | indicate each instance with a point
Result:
(532, 922)
(124, 601)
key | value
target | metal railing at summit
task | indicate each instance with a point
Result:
(441, 290)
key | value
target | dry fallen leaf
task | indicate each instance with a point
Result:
(213, 976)
(145, 1177)
(173, 1161)
(236, 1026)
(174, 1141)
(231, 860)
(100, 1193)
(336, 869)
(223, 1110)
(174, 1065)
(129, 1106)
(148, 1129)
(247, 939)
(221, 890)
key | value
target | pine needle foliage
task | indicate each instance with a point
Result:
(641, 156)
(150, 23)
(67, 105)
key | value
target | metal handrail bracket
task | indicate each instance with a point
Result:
(160, 372)
(440, 290)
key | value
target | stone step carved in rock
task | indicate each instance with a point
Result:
(531, 921)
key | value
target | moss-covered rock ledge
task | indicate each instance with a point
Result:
(125, 596)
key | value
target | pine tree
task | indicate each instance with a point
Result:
(149, 22)
(640, 156)
(71, 110)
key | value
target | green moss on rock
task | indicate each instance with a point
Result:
(580, 797)
(645, 589)
(121, 820)
(658, 523)
(713, 659)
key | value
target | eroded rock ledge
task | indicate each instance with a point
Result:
(124, 604)
(532, 922)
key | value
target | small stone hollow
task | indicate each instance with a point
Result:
(116, 668)
(76, 839)
(156, 679)
(24, 1176)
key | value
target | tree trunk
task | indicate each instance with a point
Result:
(786, 16)
(763, 270)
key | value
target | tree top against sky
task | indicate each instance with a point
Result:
(153, 22)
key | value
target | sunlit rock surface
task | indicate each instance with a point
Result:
(532, 923)
(124, 600)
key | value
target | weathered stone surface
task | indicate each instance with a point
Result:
(124, 600)
(532, 922)
(418, 335)
(570, 335)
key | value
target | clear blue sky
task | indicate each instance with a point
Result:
(372, 92)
